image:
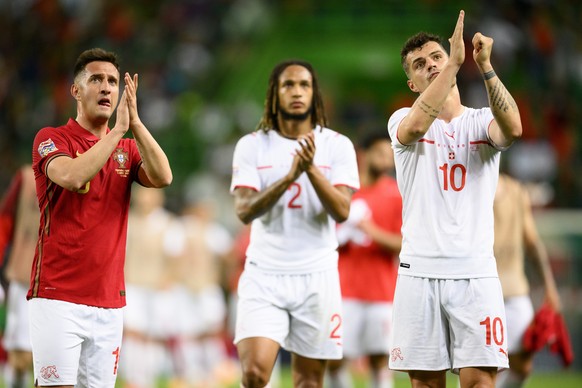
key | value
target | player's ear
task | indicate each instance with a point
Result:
(75, 92)
(412, 86)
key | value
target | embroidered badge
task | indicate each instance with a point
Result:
(46, 147)
(396, 354)
(49, 371)
(121, 158)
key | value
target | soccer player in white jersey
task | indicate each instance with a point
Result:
(448, 306)
(293, 178)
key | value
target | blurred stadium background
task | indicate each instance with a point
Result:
(204, 64)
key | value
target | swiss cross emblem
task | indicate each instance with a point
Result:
(451, 155)
(120, 157)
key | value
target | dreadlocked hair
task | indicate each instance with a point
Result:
(271, 110)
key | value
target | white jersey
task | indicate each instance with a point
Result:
(297, 235)
(447, 180)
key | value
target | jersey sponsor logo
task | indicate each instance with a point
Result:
(396, 354)
(451, 135)
(46, 147)
(501, 350)
(49, 371)
(121, 158)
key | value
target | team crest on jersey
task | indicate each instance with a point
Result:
(46, 147)
(121, 158)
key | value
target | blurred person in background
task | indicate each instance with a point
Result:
(370, 241)
(19, 218)
(201, 245)
(293, 178)
(149, 318)
(84, 172)
(448, 303)
(516, 237)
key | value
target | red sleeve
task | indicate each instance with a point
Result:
(8, 213)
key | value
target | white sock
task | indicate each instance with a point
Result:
(11, 380)
(384, 378)
(342, 378)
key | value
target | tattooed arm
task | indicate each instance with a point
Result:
(507, 124)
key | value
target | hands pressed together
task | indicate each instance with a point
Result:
(127, 114)
(304, 154)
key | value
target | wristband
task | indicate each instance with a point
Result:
(490, 74)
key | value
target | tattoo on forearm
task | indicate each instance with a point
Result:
(429, 110)
(500, 98)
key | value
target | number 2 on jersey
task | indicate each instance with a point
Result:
(449, 178)
(296, 190)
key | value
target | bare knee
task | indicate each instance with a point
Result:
(478, 377)
(428, 379)
(255, 376)
(521, 364)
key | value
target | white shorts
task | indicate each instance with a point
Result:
(17, 335)
(303, 313)
(519, 312)
(152, 312)
(203, 312)
(442, 324)
(367, 327)
(74, 344)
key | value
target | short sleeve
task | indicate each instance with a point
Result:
(394, 122)
(244, 164)
(47, 144)
(345, 168)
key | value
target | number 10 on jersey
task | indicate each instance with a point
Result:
(454, 176)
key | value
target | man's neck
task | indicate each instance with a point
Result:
(452, 107)
(97, 129)
(292, 129)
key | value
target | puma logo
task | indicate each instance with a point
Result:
(452, 135)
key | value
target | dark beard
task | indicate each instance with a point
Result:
(295, 116)
(376, 173)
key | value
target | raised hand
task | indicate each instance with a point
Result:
(457, 54)
(122, 119)
(307, 150)
(482, 46)
(131, 85)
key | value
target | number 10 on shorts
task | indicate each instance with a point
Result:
(493, 329)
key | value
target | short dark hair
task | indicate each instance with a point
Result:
(269, 119)
(94, 55)
(369, 139)
(415, 42)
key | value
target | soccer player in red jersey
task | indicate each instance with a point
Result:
(370, 241)
(84, 171)
(18, 230)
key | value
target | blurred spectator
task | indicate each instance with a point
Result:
(150, 325)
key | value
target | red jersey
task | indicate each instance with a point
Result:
(367, 271)
(8, 207)
(80, 253)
